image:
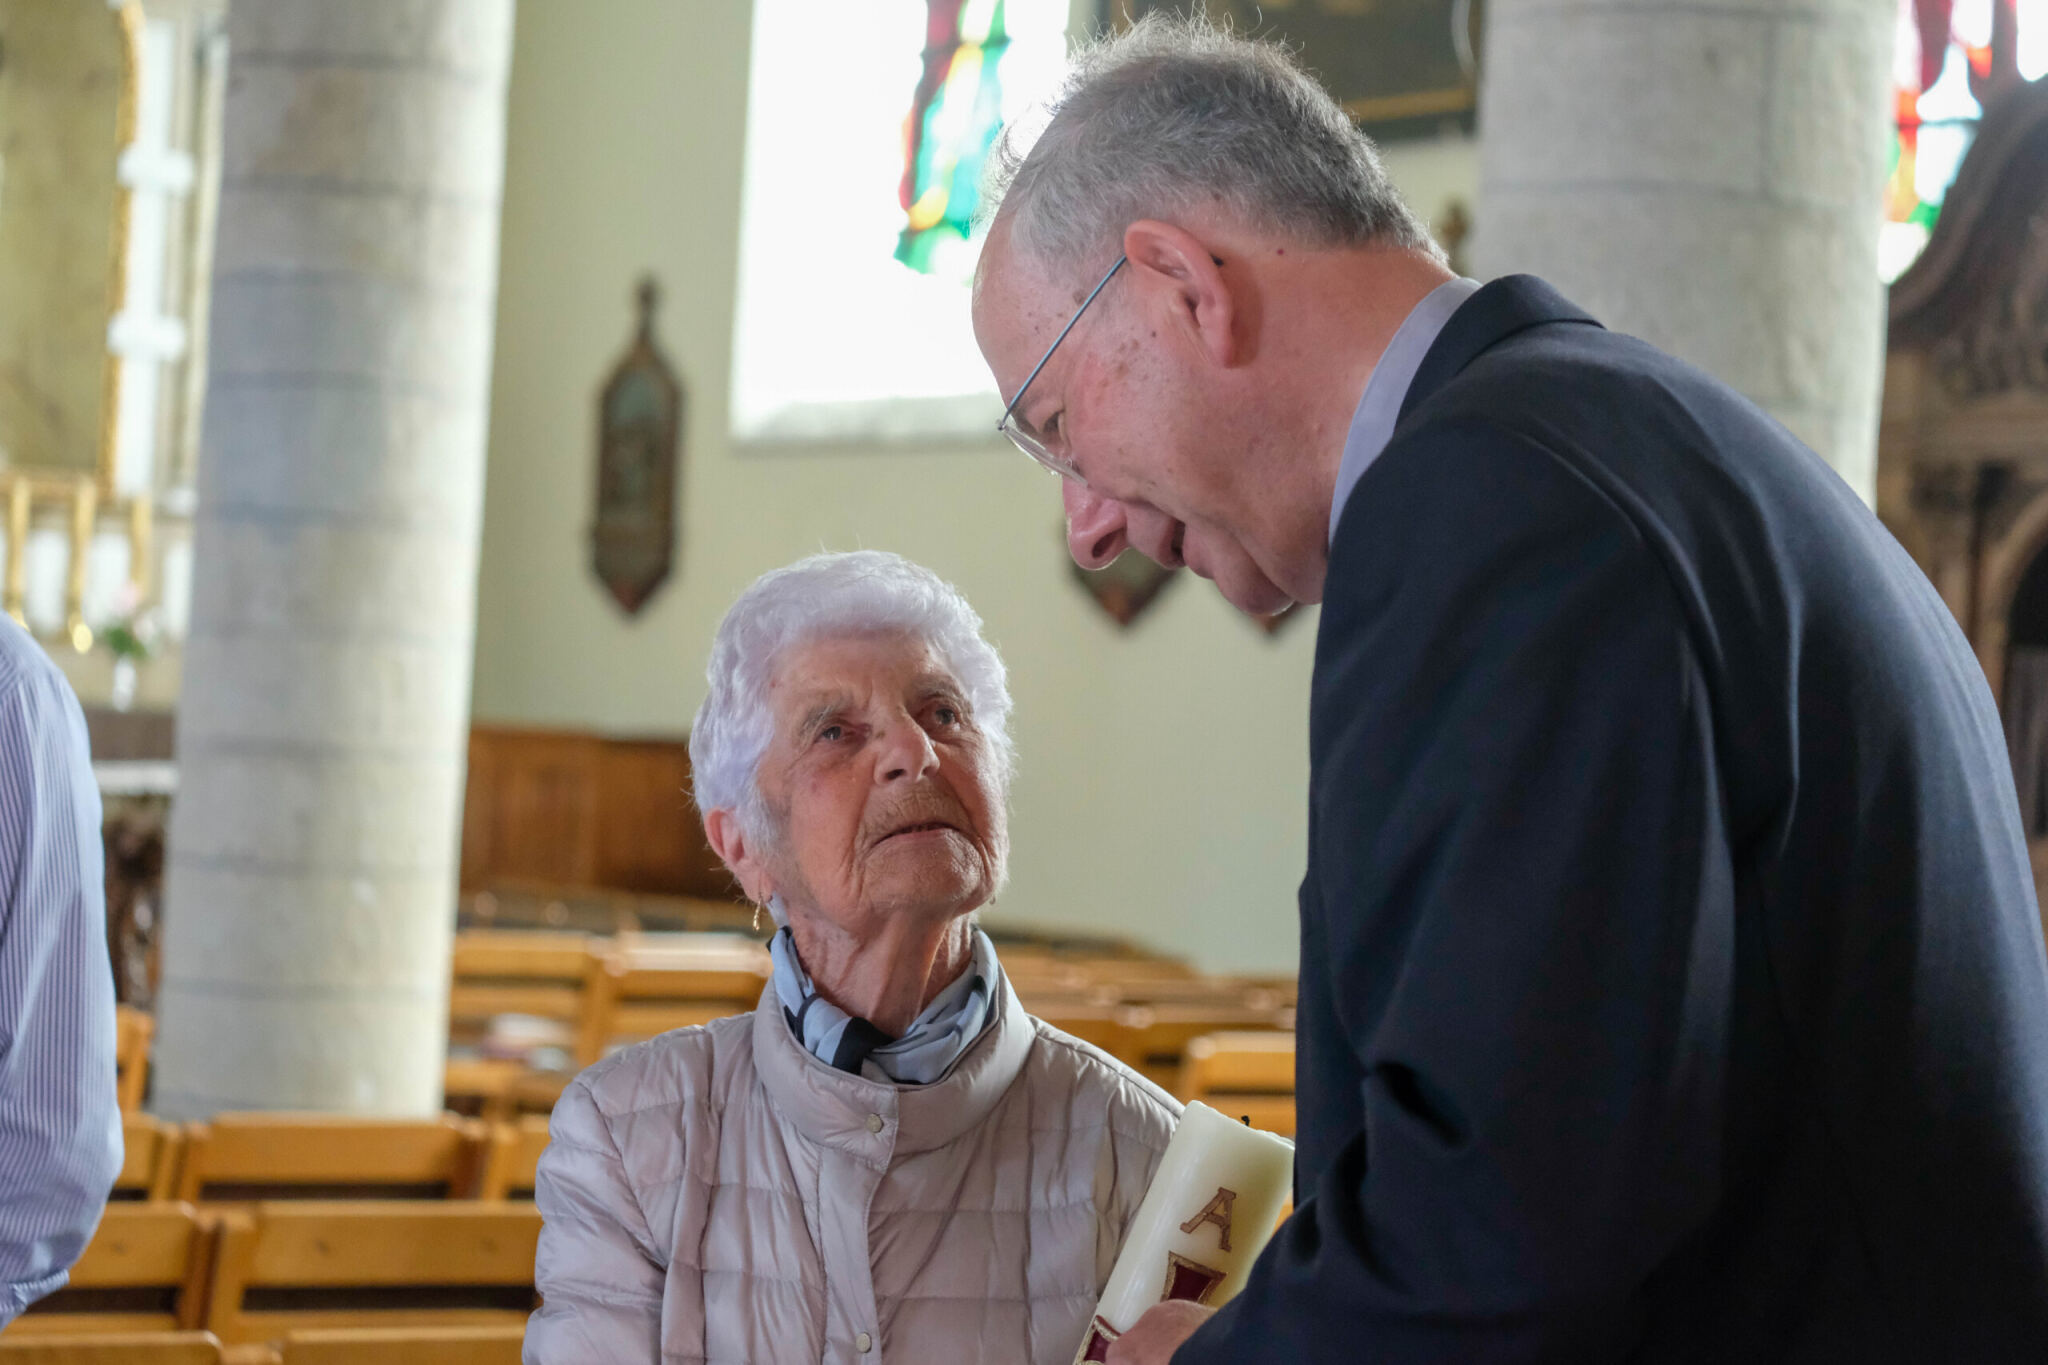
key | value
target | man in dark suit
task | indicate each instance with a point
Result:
(1672, 986)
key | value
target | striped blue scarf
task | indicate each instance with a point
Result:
(927, 1049)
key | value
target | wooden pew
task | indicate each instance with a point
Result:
(1109, 1026)
(151, 1150)
(133, 1033)
(114, 1348)
(513, 1158)
(289, 1267)
(656, 982)
(145, 1270)
(544, 975)
(1248, 1075)
(244, 1157)
(405, 1346)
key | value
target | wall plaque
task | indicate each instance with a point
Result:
(1125, 587)
(639, 426)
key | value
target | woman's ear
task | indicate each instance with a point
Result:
(730, 843)
(1176, 264)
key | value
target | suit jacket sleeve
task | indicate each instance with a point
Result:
(1524, 932)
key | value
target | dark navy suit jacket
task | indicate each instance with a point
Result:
(1672, 986)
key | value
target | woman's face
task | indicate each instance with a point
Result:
(882, 789)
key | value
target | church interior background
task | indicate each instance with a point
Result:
(394, 395)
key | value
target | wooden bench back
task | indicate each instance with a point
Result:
(500, 971)
(151, 1149)
(406, 1346)
(114, 1348)
(133, 1032)
(287, 1267)
(145, 1270)
(654, 983)
(513, 1159)
(316, 1156)
(1249, 1075)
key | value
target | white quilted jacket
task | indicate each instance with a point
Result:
(718, 1194)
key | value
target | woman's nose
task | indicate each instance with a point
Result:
(1095, 526)
(907, 753)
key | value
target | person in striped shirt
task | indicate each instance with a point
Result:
(60, 1118)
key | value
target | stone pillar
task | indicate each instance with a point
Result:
(323, 723)
(1709, 179)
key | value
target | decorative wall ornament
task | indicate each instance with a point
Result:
(1126, 587)
(639, 424)
(1281, 620)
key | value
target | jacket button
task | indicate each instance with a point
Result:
(863, 1342)
(874, 1126)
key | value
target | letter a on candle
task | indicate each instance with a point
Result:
(1216, 1211)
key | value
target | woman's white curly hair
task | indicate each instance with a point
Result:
(863, 592)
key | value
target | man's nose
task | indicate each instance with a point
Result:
(1095, 526)
(907, 753)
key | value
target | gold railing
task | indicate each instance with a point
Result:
(23, 494)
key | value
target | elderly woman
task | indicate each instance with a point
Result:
(889, 1159)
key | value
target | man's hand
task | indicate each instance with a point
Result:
(1154, 1338)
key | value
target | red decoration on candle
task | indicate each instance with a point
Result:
(1188, 1281)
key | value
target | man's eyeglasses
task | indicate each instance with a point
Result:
(1022, 434)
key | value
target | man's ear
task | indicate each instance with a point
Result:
(1178, 267)
(730, 843)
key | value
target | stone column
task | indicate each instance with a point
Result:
(1708, 178)
(323, 722)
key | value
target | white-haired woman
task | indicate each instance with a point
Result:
(889, 1159)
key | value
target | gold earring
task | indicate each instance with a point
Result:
(757, 919)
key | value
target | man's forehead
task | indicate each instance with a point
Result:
(841, 667)
(1014, 291)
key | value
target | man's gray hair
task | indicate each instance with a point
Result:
(1174, 113)
(865, 592)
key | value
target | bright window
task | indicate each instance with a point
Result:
(867, 128)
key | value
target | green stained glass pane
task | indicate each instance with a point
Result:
(955, 118)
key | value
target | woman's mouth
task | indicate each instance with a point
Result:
(921, 827)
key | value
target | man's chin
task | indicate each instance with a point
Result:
(1254, 595)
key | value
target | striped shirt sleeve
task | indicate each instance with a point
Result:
(60, 1122)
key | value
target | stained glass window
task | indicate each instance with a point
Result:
(1951, 58)
(954, 121)
(868, 126)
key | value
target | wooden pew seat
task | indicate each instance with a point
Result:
(246, 1157)
(291, 1266)
(114, 1348)
(145, 1270)
(151, 1149)
(1245, 1075)
(406, 1346)
(134, 1030)
(513, 1159)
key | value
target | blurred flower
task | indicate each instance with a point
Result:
(136, 629)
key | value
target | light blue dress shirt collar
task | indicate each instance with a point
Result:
(1372, 426)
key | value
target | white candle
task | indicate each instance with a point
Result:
(1213, 1204)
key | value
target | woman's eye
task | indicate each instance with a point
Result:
(832, 734)
(946, 715)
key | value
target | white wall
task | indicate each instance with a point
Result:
(1163, 771)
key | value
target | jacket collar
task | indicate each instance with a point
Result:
(1510, 304)
(833, 1108)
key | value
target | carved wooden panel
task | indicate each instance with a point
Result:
(576, 810)
(648, 835)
